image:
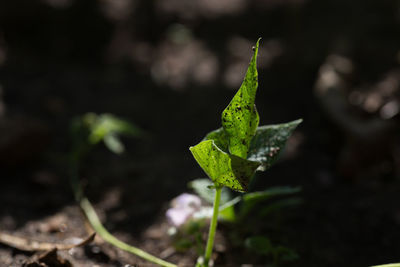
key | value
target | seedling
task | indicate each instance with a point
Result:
(239, 212)
(88, 131)
(229, 156)
(232, 154)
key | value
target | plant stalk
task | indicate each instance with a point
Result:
(98, 227)
(102, 231)
(213, 226)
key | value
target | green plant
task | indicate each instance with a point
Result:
(232, 154)
(241, 212)
(263, 246)
(229, 155)
(88, 131)
(247, 202)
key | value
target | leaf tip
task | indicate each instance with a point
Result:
(255, 48)
(297, 122)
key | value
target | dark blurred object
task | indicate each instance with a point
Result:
(367, 115)
(47, 259)
(22, 139)
(53, 29)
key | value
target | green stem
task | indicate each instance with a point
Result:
(388, 265)
(101, 231)
(213, 226)
(98, 227)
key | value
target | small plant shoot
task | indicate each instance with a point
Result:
(232, 154)
(93, 128)
(88, 131)
(229, 156)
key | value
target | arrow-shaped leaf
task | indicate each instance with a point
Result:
(240, 118)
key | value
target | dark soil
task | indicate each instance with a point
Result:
(171, 67)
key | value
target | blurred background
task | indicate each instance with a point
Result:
(171, 67)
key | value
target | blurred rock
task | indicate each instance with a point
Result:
(118, 9)
(180, 64)
(201, 8)
(370, 138)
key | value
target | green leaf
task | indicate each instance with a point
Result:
(202, 188)
(259, 244)
(265, 146)
(183, 244)
(269, 193)
(224, 169)
(282, 253)
(105, 124)
(227, 210)
(240, 118)
(252, 199)
(279, 205)
(228, 214)
(113, 143)
(269, 141)
(263, 246)
(220, 139)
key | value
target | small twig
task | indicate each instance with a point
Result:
(25, 244)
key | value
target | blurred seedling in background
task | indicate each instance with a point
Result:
(91, 129)
(87, 132)
(232, 154)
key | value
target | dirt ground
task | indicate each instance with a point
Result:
(171, 67)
